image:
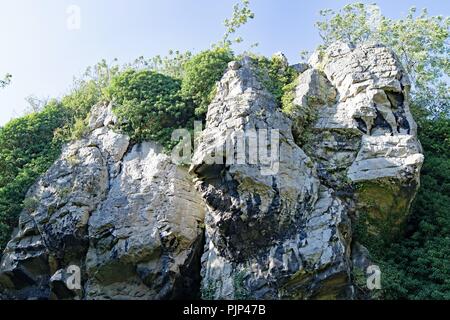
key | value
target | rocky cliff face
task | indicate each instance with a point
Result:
(364, 139)
(281, 235)
(128, 217)
(266, 223)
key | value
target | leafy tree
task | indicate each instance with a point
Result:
(149, 105)
(420, 41)
(416, 265)
(241, 15)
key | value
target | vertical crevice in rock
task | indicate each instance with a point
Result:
(276, 235)
(188, 284)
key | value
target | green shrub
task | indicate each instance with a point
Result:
(201, 74)
(276, 76)
(80, 129)
(416, 265)
(81, 99)
(27, 150)
(26, 138)
(88, 90)
(149, 105)
(288, 97)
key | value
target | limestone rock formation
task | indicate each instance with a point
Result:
(127, 217)
(355, 155)
(365, 140)
(270, 235)
(267, 209)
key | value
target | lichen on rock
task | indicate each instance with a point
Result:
(279, 222)
(125, 215)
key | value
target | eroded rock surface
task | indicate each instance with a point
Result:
(356, 154)
(365, 140)
(127, 217)
(272, 219)
(270, 235)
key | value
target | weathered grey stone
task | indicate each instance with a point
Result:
(145, 231)
(270, 223)
(365, 142)
(301, 67)
(64, 286)
(130, 220)
(53, 228)
(364, 157)
(313, 91)
(267, 231)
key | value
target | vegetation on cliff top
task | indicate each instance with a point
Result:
(151, 97)
(149, 105)
(155, 96)
(5, 81)
(415, 265)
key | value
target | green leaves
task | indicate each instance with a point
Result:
(241, 15)
(351, 24)
(88, 90)
(201, 74)
(277, 77)
(149, 105)
(419, 40)
(171, 65)
(27, 149)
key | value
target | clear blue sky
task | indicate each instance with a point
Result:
(43, 55)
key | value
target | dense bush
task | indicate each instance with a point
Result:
(27, 149)
(201, 74)
(149, 105)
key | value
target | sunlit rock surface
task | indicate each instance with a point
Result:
(275, 222)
